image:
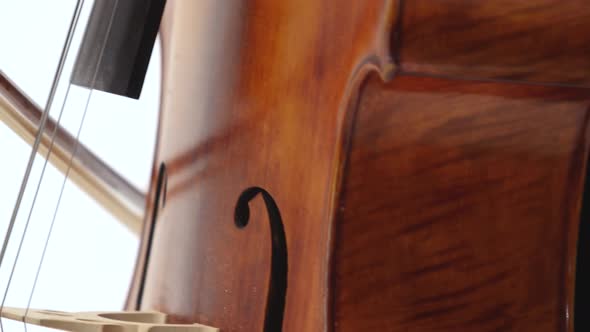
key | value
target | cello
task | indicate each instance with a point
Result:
(380, 165)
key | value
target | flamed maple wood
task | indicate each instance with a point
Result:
(537, 41)
(409, 202)
(460, 207)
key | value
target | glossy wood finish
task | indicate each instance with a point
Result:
(460, 207)
(416, 204)
(541, 41)
(90, 173)
(243, 107)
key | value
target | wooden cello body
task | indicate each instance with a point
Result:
(420, 166)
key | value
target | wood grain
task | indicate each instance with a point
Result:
(254, 94)
(409, 203)
(461, 207)
(539, 41)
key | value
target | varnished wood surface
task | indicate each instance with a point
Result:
(90, 173)
(419, 204)
(540, 41)
(254, 94)
(460, 207)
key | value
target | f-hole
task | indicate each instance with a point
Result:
(159, 202)
(277, 289)
(582, 292)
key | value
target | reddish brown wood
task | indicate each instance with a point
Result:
(542, 41)
(459, 204)
(461, 207)
(253, 95)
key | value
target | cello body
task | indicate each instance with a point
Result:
(422, 165)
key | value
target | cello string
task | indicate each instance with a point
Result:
(76, 142)
(53, 218)
(40, 132)
(20, 244)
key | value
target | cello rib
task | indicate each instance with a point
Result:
(91, 174)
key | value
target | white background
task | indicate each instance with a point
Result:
(90, 257)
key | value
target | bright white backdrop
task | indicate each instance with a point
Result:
(90, 256)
